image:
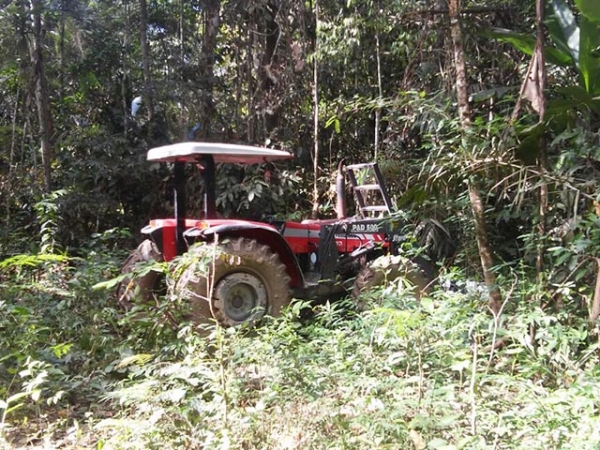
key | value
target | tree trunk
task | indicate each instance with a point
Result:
(594, 311)
(61, 51)
(124, 68)
(250, 124)
(532, 89)
(485, 250)
(315, 200)
(539, 74)
(148, 91)
(379, 96)
(268, 66)
(477, 205)
(212, 24)
(41, 92)
(462, 96)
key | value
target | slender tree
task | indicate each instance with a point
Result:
(377, 130)
(125, 69)
(269, 64)
(315, 200)
(532, 89)
(212, 22)
(537, 78)
(148, 91)
(42, 96)
(477, 204)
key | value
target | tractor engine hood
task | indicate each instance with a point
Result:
(209, 228)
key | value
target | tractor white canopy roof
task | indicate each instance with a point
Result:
(222, 153)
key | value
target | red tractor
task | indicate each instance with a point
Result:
(262, 265)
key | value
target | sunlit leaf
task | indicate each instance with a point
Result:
(18, 396)
(139, 359)
(563, 28)
(589, 64)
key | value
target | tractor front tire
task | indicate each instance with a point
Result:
(143, 286)
(390, 268)
(243, 282)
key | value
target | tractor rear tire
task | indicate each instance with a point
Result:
(244, 282)
(143, 287)
(389, 268)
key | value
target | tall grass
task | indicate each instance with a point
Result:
(395, 374)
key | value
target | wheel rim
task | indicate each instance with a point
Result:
(239, 297)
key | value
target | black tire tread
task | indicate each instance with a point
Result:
(388, 268)
(236, 254)
(144, 286)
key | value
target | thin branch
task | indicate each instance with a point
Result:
(445, 12)
(595, 309)
(497, 316)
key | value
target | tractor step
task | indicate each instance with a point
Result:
(370, 180)
(359, 166)
(312, 278)
(368, 187)
(376, 208)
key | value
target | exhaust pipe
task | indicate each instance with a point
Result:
(340, 190)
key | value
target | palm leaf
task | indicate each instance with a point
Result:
(590, 9)
(589, 63)
(526, 44)
(563, 28)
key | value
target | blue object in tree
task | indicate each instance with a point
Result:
(136, 105)
(192, 133)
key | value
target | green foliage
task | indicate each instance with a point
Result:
(402, 374)
(50, 323)
(439, 373)
(258, 192)
(35, 375)
(48, 216)
(589, 9)
(576, 42)
(526, 44)
(18, 262)
(398, 374)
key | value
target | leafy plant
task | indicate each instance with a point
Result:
(48, 217)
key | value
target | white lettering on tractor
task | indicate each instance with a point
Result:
(364, 228)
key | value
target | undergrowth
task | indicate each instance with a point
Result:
(75, 372)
